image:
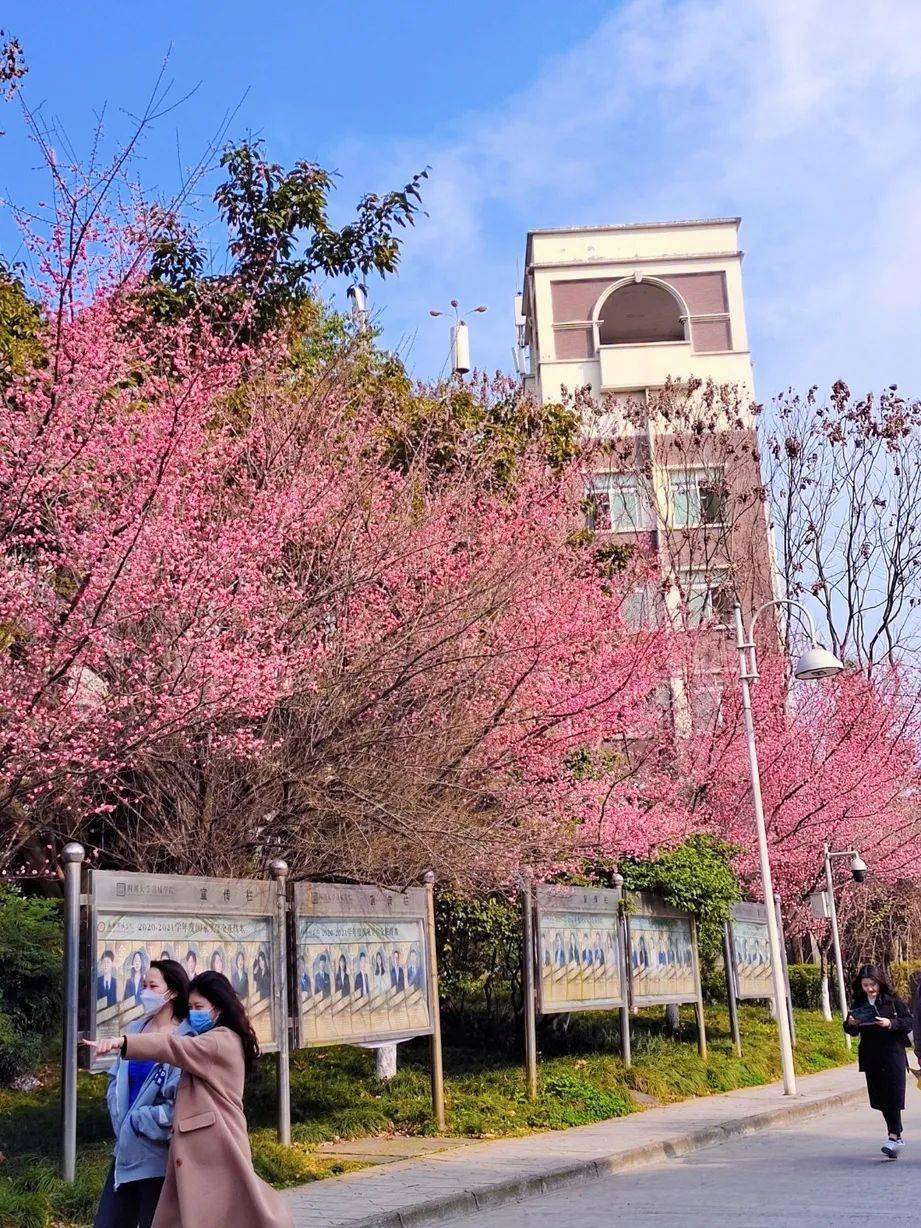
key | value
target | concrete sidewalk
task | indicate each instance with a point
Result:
(481, 1175)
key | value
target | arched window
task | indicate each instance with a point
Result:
(638, 312)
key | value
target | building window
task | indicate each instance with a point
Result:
(617, 503)
(698, 497)
(708, 599)
(641, 606)
(640, 314)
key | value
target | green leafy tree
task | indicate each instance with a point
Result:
(31, 952)
(696, 876)
(280, 239)
(493, 418)
(12, 65)
(479, 962)
(20, 326)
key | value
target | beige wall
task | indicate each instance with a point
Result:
(569, 271)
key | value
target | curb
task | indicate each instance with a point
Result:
(468, 1202)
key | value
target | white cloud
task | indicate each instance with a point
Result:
(802, 116)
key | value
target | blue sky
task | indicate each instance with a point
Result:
(804, 118)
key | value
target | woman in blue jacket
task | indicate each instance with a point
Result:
(140, 1096)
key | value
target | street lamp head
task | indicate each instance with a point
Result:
(858, 868)
(817, 662)
(359, 296)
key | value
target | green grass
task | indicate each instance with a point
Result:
(334, 1095)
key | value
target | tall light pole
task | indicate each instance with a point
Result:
(358, 295)
(460, 337)
(816, 662)
(859, 871)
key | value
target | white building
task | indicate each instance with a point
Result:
(620, 309)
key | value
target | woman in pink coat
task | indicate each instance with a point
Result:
(210, 1182)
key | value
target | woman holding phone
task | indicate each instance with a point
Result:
(210, 1181)
(882, 1021)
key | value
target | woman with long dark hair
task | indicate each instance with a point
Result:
(141, 1096)
(379, 976)
(882, 1021)
(240, 978)
(210, 1182)
(134, 980)
(343, 980)
(262, 977)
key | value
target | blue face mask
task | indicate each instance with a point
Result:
(200, 1021)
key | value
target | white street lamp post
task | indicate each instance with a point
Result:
(816, 662)
(358, 293)
(460, 338)
(859, 871)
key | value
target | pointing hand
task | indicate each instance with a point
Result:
(108, 1044)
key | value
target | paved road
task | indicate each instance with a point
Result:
(454, 1181)
(825, 1171)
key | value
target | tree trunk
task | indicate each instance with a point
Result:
(826, 999)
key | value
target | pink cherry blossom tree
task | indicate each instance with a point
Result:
(232, 629)
(239, 622)
(838, 760)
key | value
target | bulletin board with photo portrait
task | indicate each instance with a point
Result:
(362, 968)
(579, 949)
(751, 952)
(662, 952)
(227, 925)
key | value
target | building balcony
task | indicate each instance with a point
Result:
(647, 365)
(650, 364)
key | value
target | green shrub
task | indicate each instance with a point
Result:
(903, 974)
(31, 953)
(713, 981)
(806, 986)
(479, 967)
(696, 876)
(479, 945)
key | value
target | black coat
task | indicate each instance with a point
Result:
(881, 1053)
(916, 1028)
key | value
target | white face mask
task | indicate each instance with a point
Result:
(152, 1001)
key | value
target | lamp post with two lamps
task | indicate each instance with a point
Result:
(815, 662)
(859, 874)
(460, 337)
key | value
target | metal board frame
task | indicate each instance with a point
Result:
(112, 893)
(642, 904)
(355, 915)
(567, 910)
(749, 914)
